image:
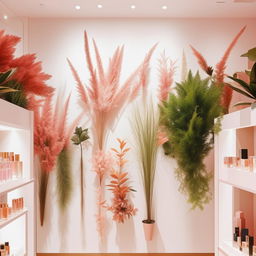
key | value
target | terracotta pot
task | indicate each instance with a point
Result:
(148, 229)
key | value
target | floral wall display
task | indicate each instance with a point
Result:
(104, 187)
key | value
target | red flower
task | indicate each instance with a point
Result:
(29, 74)
(7, 49)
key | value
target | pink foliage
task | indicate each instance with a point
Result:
(51, 133)
(120, 206)
(166, 77)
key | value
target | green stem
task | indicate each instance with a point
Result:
(82, 183)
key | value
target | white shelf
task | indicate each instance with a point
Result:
(14, 184)
(12, 218)
(229, 249)
(239, 119)
(239, 178)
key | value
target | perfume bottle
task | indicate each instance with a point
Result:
(239, 221)
(251, 242)
(18, 166)
(254, 250)
(244, 161)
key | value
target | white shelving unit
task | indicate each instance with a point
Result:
(16, 135)
(235, 188)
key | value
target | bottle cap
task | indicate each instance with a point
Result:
(6, 243)
(244, 153)
(2, 246)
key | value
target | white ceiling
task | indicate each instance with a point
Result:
(121, 8)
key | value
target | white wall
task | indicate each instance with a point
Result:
(177, 228)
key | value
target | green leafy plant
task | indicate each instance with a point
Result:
(145, 125)
(247, 89)
(251, 54)
(80, 136)
(6, 84)
(188, 117)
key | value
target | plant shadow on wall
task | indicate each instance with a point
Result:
(189, 121)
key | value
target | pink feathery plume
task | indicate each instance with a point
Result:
(144, 72)
(80, 87)
(166, 72)
(201, 61)
(221, 66)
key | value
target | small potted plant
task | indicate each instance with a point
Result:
(145, 127)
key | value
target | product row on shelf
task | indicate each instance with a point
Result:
(243, 162)
(11, 167)
(241, 238)
(5, 249)
(6, 210)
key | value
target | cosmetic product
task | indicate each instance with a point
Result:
(251, 242)
(245, 248)
(244, 233)
(18, 166)
(237, 231)
(244, 161)
(7, 248)
(239, 221)
(2, 250)
(252, 163)
(228, 161)
(239, 243)
(254, 250)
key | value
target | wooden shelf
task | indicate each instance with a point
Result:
(239, 178)
(14, 184)
(12, 218)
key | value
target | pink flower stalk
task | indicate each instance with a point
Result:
(102, 165)
(166, 77)
(221, 66)
(220, 70)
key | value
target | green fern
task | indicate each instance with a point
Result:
(64, 178)
(189, 120)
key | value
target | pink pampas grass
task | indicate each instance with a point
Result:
(105, 98)
(166, 76)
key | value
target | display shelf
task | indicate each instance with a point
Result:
(239, 178)
(14, 184)
(16, 135)
(235, 188)
(12, 218)
(228, 248)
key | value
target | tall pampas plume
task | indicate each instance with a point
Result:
(166, 76)
(202, 61)
(105, 98)
(221, 66)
